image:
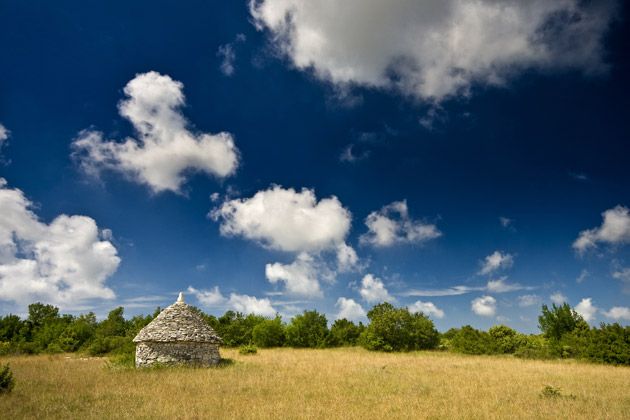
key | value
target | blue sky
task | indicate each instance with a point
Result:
(466, 160)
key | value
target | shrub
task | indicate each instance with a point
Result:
(534, 347)
(248, 349)
(397, 329)
(113, 345)
(609, 344)
(310, 329)
(269, 333)
(122, 361)
(6, 379)
(236, 329)
(5, 348)
(506, 340)
(469, 340)
(344, 333)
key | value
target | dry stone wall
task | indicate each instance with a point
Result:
(182, 352)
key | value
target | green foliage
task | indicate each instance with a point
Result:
(608, 344)
(397, 329)
(78, 333)
(40, 314)
(469, 340)
(10, 327)
(248, 349)
(534, 347)
(113, 325)
(505, 339)
(344, 333)
(236, 329)
(122, 360)
(310, 329)
(7, 382)
(269, 333)
(565, 334)
(552, 392)
(111, 345)
(559, 320)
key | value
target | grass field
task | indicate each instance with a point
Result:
(331, 383)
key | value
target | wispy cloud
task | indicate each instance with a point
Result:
(493, 286)
(227, 54)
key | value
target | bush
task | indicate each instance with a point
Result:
(609, 344)
(248, 349)
(310, 329)
(506, 340)
(534, 347)
(6, 379)
(113, 345)
(236, 329)
(269, 333)
(397, 329)
(469, 340)
(344, 333)
(5, 348)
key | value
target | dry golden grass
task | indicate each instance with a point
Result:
(338, 383)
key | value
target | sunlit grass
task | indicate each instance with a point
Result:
(331, 383)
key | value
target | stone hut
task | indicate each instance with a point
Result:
(177, 335)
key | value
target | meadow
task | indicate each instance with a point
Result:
(349, 383)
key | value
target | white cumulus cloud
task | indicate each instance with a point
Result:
(64, 262)
(373, 290)
(586, 309)
(615, 229)
(166, 150)
(251, 305)
(212, 297)
(349, 309)
(240, 303)
(427, 308)
(347, 258)
(286, 220)
(618, 313)
(434, 49)
(392, 225)
(484, 306)
(496, 261)
(300, 277)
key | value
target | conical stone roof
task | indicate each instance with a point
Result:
(178, 322)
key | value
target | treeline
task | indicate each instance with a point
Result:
(565, 334)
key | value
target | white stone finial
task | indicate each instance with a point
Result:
(180, 299)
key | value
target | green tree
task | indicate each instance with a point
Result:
(308, 329)
(559, 320)
(506, 340)
(114, 325)
(10, 326)
(469, 340)
(269, 333)
(40, 314)
(397, 329)
(610, 343)
(344, 333)
(236, 329)
(78, 333)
